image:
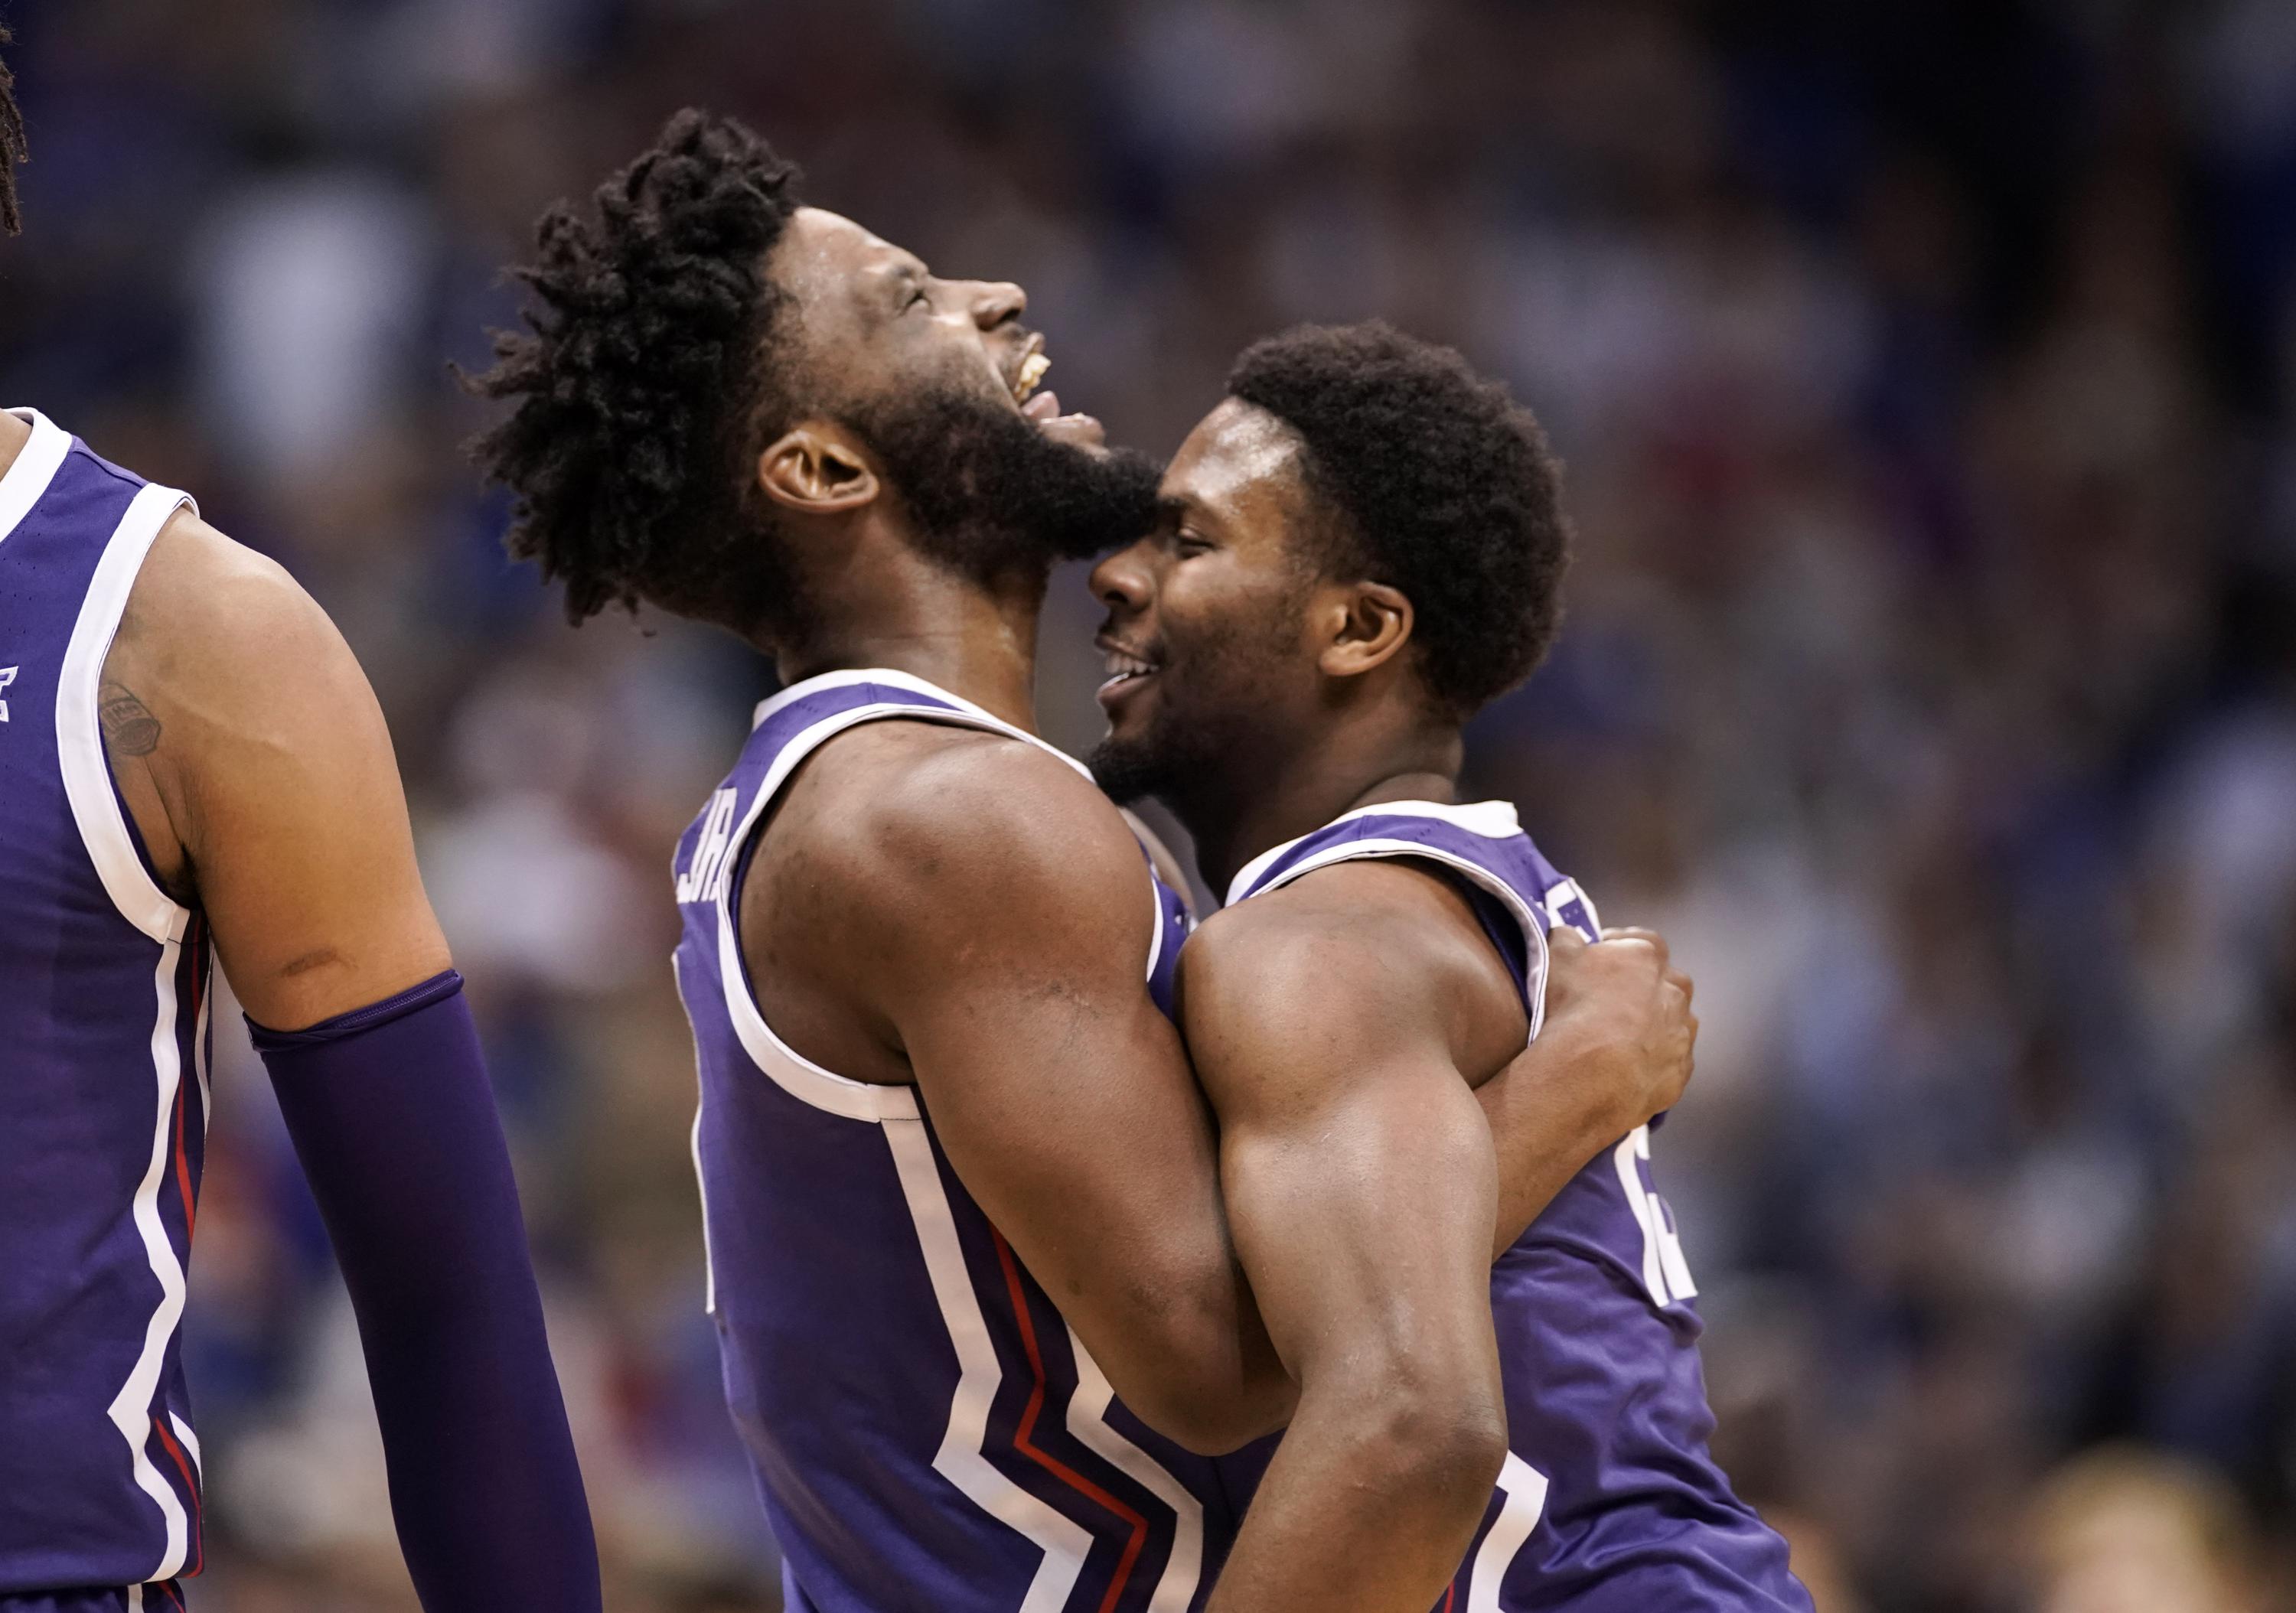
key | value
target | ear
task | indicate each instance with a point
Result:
(1370, 624)
(817, 470)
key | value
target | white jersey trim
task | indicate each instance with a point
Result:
(1349, 851)
(1087, 1420)
(790, 1070)
(79, 735)
(1065, 1543)
(37, 464)
(1492, 820)
(894, 1109)
(131, 1408)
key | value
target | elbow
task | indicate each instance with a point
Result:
(1195, 1382)
(1215, 1413)
(1438, 1439)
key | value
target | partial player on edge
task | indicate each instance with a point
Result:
(166, 794)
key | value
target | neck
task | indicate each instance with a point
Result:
(889, 606)
(1304, 791)
(13, 435)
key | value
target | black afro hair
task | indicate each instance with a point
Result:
(644, 379)
(1442, 486)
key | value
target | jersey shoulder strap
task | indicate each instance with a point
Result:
(1481, 844)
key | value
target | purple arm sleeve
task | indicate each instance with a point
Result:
(395, 1124)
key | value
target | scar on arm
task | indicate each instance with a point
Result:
(310, 961)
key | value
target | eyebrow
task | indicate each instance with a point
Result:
(1171, 509)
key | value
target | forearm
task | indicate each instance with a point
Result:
(1550, 1112)
(391, 1112)
(1368, 1507)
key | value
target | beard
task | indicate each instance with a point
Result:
(991, 496)
(1210, 730)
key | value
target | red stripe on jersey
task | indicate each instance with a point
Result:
(184, 1160)
(1052, 1464)
(196, 943)
(191, 1489)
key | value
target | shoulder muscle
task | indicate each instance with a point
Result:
(260, 741)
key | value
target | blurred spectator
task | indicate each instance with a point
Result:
(1924, 373)
(2123, 1530)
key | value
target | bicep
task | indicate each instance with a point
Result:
(1063, 1098)
(1358, 1171)
(1364, 1220)
(293, 816)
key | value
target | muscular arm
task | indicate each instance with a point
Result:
(1616, 1049)
(1335, 1025)
(255, 761)
(999, 914)
(256, 764)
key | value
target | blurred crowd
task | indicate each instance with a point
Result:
(1923, 372)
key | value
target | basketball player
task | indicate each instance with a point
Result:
(190, 760)
(958, 1182)
(1354, 552)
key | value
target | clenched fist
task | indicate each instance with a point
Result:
(1625, 1009)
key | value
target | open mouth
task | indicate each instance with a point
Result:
(1123, 670)
(1027, 376)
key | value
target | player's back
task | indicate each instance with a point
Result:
(102, 1064)
(1609, 1501)
(926, 1430)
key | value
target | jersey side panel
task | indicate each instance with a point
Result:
(1610, 1502)
(908, 1394)
(102, 1112)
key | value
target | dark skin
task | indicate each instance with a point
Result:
(271, 803)
(959, 910)
(1344, 1027)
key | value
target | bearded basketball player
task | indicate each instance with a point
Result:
(166, 795)
(981, 1318)
(1354, 554)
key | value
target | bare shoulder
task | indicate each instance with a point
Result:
(209, 617)
(1361, 954)
(937, 831)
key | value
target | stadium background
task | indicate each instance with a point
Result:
(1931, 674)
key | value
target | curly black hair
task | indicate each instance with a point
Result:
(1441, 484)
(643, 386)
(13, 150)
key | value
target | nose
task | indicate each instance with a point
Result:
(1125, 582)
(996, 301)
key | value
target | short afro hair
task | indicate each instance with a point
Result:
(642, 385)
(13, 150)
(1441, 484)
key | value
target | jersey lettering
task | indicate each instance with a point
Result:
(703, 880)
(1523, 1498)
(1665, 1273)
(7, 676)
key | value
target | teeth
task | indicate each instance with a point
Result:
(1032, 375)
(1121, 666)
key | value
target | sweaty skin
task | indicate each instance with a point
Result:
(255, 766)
(1339, 1025)
(1353, 1029)
(957, 910)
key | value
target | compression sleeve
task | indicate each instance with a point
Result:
(391, 1115)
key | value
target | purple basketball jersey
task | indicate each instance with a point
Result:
(1609, 1501)
(104, 1076)
(925, 1429)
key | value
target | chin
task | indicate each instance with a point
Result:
(1128, 769)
